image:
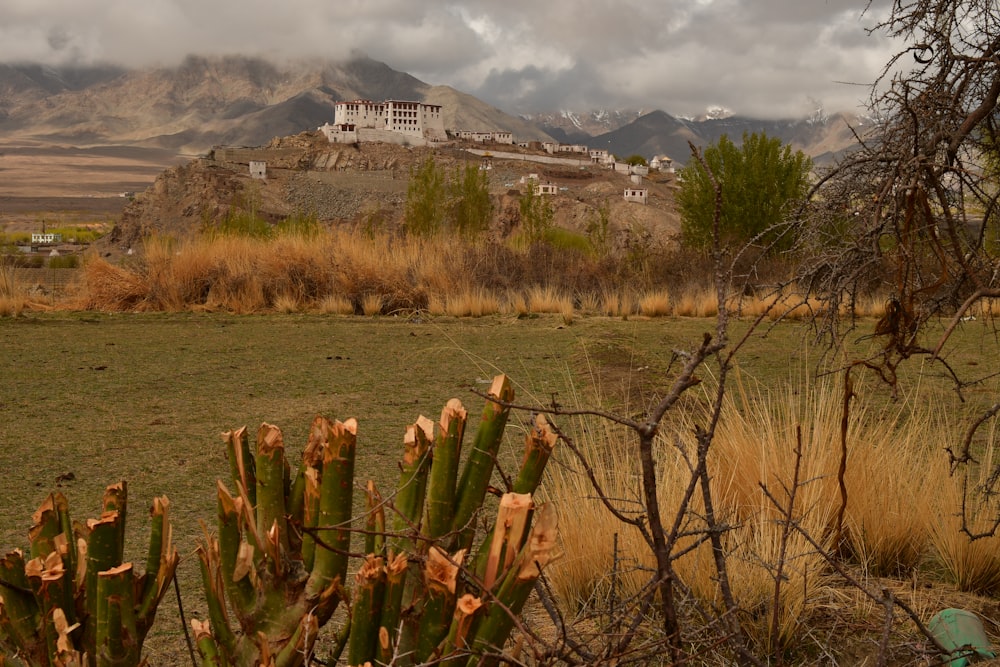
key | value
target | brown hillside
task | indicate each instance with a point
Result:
(367, 184)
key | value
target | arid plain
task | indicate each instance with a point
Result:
(69, 184)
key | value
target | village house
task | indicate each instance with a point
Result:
(638, 195)
(485, 137)
(258, 169)
(46, 237)
(599, 155)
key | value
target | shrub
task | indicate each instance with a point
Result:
(64, 262)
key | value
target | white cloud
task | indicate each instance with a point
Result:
(767, 57)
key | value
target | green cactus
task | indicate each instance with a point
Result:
(269, 588)
(74, 602)
(278, 565)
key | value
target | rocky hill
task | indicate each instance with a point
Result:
(365, 185)
(822, 137)
(209, 101)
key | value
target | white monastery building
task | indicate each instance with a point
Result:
(405, 118)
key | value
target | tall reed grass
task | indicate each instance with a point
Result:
(299, 266)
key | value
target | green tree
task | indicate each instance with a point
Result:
(635, 160)
(537, 214)
(599, 229)
(471, 208)
(425, 199)
(758, 179)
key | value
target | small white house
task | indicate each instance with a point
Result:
(598, 155)
(638, 195)
(46, 237)
(258, 169)
(546, 188)
(344, 133)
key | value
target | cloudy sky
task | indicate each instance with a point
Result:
(767, 58)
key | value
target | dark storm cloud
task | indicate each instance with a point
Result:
(766, 57)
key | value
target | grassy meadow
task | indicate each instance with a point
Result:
(135, 370)
(91, 398)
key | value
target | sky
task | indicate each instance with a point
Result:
(761, 58)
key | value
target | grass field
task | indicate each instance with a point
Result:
(144, 397)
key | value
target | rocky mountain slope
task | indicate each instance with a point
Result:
(240, 100)
(823, 137)
(209, 101)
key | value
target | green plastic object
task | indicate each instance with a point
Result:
(961, 632)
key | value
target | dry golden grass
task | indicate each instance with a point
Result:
(12, 306)
(106, 287)
(296, 273)
(516, 303)
(12, 298)
(334, 304)
(699, 302)
(475, 302)
(655, 303)
(900, 507)
(287, 303)
(973, 566)
(372, 304)
(548, 300)
(590, 303)
(619, 303)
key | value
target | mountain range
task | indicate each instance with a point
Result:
(239, 100)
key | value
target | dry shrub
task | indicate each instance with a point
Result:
(655, 303)
(987, 308)
(582, 578)
(8, 277)
(178, 276)
(871, 305)
(567, 311)
(437, 304)
(106, 287)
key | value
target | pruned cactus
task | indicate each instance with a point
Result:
(427, 590)
(73, 601)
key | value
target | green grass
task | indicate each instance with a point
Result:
(144, 397)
